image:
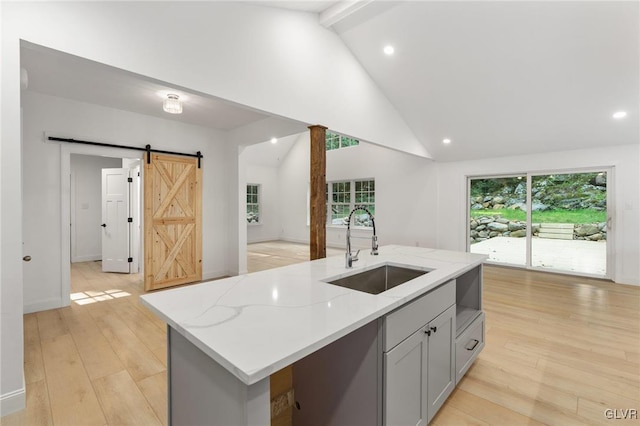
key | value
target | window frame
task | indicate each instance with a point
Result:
(352, 200)
(342, 141)
(257, 204)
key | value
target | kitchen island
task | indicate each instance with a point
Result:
(226, 337)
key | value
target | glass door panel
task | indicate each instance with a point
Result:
(498, 218)
(569, 222)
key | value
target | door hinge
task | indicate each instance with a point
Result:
(129, 219)
(130, 259)
(129, 179)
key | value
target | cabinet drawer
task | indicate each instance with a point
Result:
(402, 322)
(469, 345)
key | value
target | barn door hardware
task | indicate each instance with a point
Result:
(147, 148)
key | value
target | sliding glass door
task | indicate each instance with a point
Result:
(498, 218)
(569, 222)
(556, 221)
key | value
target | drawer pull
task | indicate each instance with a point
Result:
(472, 344)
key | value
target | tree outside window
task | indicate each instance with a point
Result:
(253, 203)
(336, 141)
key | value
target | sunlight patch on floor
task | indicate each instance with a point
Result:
(87, 297)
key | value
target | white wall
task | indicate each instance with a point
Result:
(86, 205)
(43, 286)
(293, 181)
(405, 193)
(218, 48)
(452, 202)
(418, 201)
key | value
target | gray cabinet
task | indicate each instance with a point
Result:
(468, 346)
(420, 373)
(399, 369)
(441, 378)
(469, 320)
(405, 393)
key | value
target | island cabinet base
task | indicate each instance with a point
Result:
(341, 384)
(202, 392)
(398, 369)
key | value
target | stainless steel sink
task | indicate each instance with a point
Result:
(382, 278)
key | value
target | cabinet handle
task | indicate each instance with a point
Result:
(473, 345)
(428, 332)
(434, 329)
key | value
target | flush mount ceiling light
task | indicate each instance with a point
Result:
(274, 140)
(446, 141)
(388, 50)
(172, 104)
(620, 115)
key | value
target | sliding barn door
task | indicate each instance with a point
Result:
(172, 221)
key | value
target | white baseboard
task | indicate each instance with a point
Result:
(88, 258)
(262, 240)
(628, 281)
(44, 305)
(13, 401)
(293, 240)
(301, 241)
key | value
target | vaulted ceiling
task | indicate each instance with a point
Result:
(505, 78)
(496, 78)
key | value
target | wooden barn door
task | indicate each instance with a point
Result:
(172, 221)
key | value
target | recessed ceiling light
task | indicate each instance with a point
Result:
(620, 114)
(274, 140)
(446, 141)
(388, 50)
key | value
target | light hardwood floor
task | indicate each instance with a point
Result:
(560, 350)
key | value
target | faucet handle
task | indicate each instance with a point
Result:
(350, 258)
(374, 245)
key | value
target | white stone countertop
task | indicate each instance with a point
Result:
(258, 323)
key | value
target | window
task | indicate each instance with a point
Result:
(340, 202)
(336, 141)
(343, 196)
(253, 203)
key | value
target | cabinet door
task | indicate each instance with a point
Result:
(405, 378)
(441, 360)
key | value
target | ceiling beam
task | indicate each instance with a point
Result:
(340, 11)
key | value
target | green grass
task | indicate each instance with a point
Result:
(548, 216)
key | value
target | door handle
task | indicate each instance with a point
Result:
(27, 258)
(609, 223)
(104, 225)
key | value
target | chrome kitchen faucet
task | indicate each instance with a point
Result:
(349, 257)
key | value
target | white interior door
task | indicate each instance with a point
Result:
(115, 224)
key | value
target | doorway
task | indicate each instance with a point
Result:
(558, 221)
(95, 234)
(96, 154)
